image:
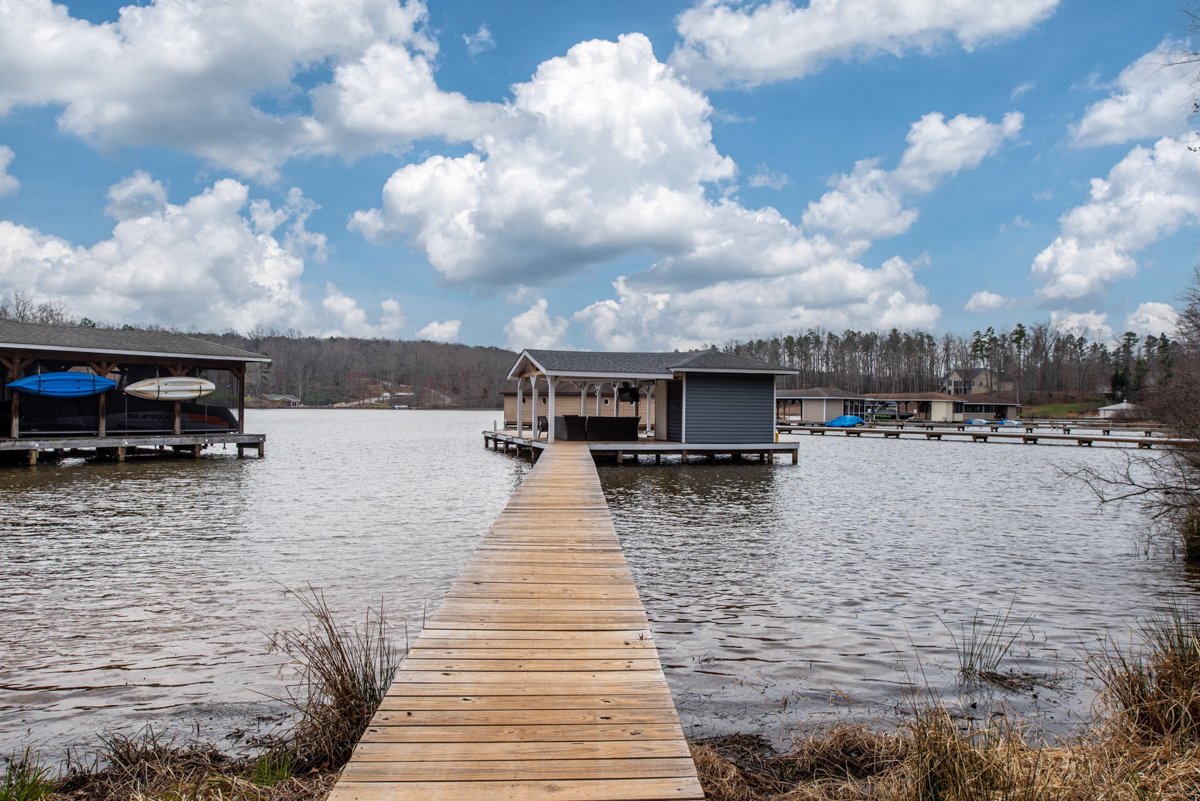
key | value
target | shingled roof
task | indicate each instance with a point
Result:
(117, 342)
(821, 393)
(643, 365)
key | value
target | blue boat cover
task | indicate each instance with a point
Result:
(63, 385)
(846, 421)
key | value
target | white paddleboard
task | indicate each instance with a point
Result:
(171, 388)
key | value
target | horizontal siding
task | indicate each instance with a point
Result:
(674, 410)
(730, 409)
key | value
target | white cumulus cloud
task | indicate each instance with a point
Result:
(868, 203)
(535, 328)
(349, 319)
(837, 294)
(222, 80)
(1091, 324)
(604, 152)
(441, 332)
(139, 195)
(748, 44)
(985, 301)
(763, 177)
(479, 42)
(8, 183)
(1153, 318)
(1153, 97)
(200, 264)
(1149, 194)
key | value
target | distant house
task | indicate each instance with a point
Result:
(819, 404)
(1123, 411)
(290, 401)
(975, 381)
(701, 397)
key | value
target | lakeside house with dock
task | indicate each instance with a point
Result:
(822, 404)
(111, 417)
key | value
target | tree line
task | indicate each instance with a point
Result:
(1038, 360)
(326, 370)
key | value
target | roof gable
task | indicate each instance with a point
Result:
(635, 365)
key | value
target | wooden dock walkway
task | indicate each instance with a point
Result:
(986, 434)
(537, 678)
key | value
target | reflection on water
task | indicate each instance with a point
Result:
(788, 594)
(145, 592)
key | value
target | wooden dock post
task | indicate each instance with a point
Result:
(538, 676)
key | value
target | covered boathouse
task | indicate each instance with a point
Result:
(693, 403)
(114, 423)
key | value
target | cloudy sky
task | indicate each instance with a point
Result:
(605, 174)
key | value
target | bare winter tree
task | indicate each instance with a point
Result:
(1167, 483)
(24, 308)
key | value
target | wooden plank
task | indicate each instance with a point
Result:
(538, 733)
(505, 717)
(577, 790)
(537, 677)
(488, 752)
(421, 652)
(458, 703)
(520, 769)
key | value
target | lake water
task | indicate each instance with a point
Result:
(145, 593)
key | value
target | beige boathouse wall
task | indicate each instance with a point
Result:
(943, 412)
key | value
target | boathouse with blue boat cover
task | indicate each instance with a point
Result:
(703, 397)
(63, 388)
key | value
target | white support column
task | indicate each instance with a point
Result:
(550, 410)
(533, 418)
(597, 399)
(520, 405)
(616, 400)
(583, 388)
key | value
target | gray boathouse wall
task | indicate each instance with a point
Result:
(730, 408)
(674, 410)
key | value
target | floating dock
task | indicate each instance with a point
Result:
(1029, 436)
(119, 447)
(538, 676)
(766, 452)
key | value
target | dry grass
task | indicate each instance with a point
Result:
(1147, 747)
(148, 767)
(342, 676)
(1153, 688)
(935, 759)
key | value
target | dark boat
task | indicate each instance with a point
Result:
(125, 415)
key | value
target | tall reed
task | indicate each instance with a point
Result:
(982, 645)
(342, 676)
(1154, 689)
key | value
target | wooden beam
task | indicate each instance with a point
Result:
(240, 373)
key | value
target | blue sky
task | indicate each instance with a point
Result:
(599, 174)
